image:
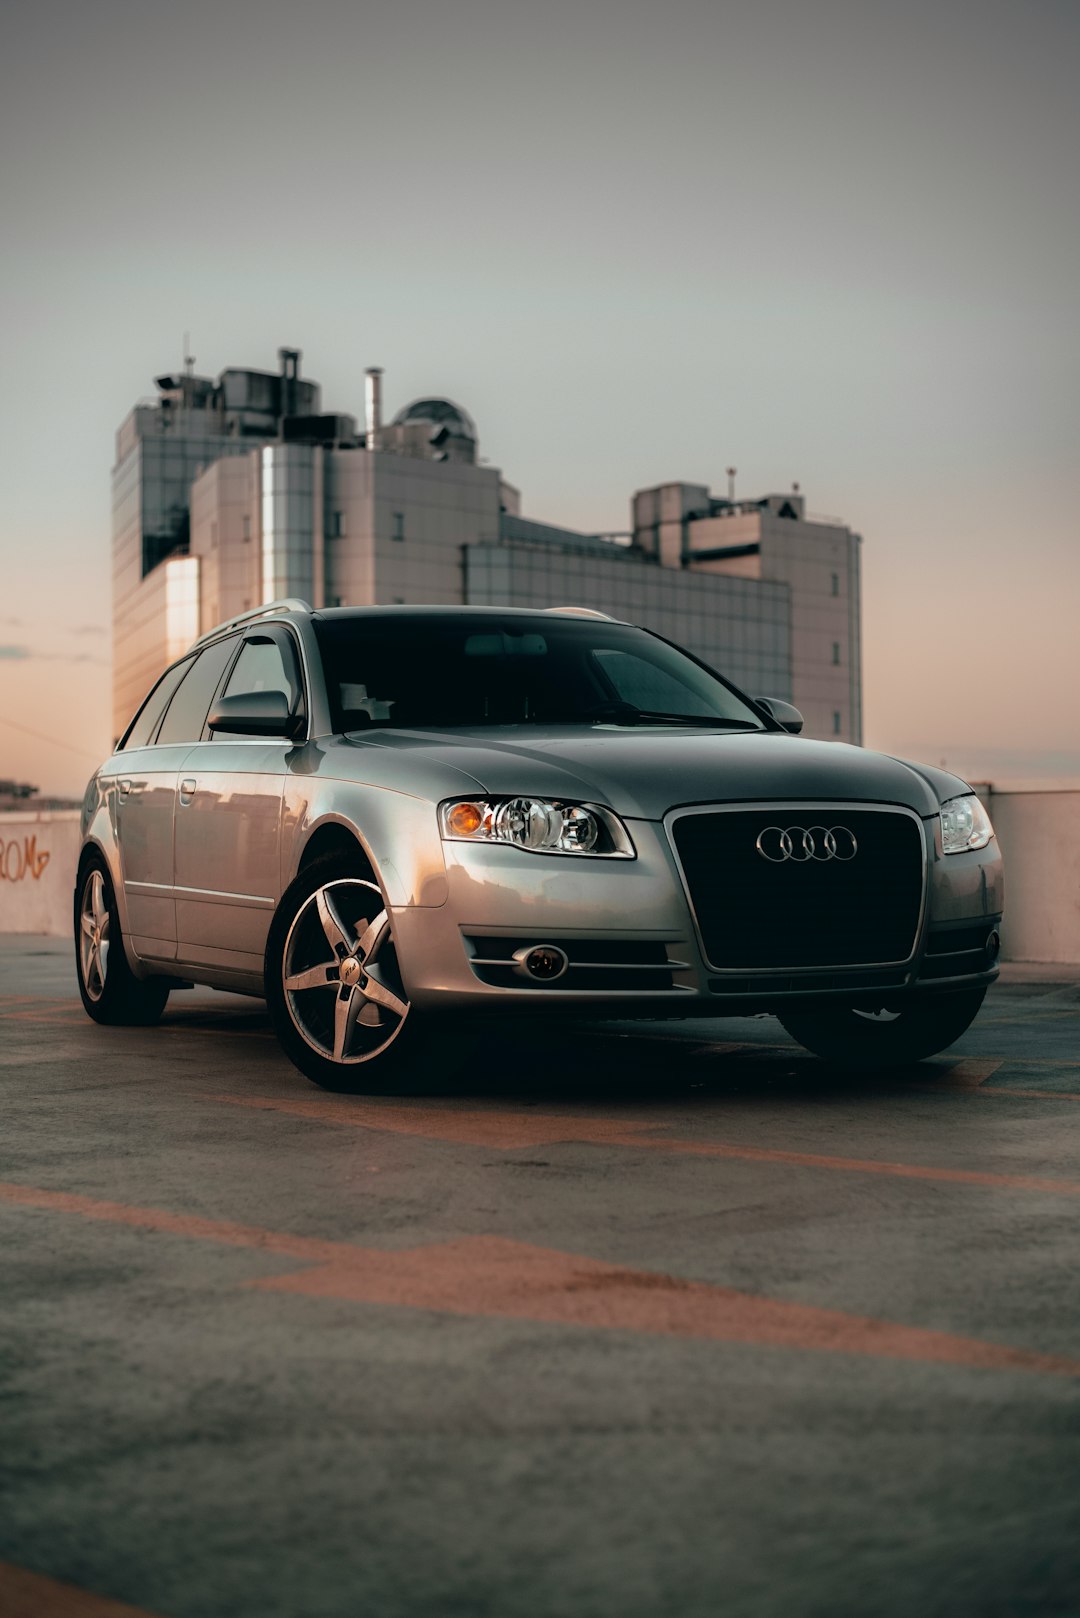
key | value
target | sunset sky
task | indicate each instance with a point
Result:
(832, 241)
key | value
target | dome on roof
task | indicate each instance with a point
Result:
(437, 413)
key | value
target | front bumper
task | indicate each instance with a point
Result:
(628, 929)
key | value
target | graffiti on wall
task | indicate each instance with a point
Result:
(23, 860)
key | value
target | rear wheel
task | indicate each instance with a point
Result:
(335, 991)
(895, 1037)
(109, 989)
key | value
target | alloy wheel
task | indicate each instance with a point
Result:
(343, 989)
(94, 936)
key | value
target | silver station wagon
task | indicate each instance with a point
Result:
(385, 818)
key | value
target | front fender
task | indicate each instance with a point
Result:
(398, 832)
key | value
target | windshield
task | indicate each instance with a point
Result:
(424, 671)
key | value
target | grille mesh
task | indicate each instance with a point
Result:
(757, 915)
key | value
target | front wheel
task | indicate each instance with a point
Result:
(896, 1037)
(335, 991)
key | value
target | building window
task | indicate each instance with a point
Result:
(338, 530)
(213, 536)
(247, 528)
(836, 584)
(399, 525)
(836, 722)
(836, 653)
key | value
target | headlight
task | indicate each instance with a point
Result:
(542, 825)
(964, 824)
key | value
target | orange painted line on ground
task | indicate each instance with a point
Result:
(1024, 1095)
(218, 1033)
(171, 1224)
(968, 1075)
(511, 1131)
(505, 1131)
(492, 1276)
(76, 1015)
(33, 1595)
(61, 1015)
(860, 1165)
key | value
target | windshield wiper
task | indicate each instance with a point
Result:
(626, 713)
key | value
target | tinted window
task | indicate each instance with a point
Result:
(187, 710)
(265, 664)
(144, 724)
(470, 670)
(645, 685)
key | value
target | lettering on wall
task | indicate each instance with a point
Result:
(22, 860)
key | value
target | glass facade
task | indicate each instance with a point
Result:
(738, 626)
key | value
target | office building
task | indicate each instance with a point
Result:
(233, 492)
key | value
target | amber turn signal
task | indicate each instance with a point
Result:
(464, 819)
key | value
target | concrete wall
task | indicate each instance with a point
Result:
(38, 854)
(1038, 828)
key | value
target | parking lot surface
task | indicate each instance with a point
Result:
(637, 1320)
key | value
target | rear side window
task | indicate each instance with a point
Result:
(144, 724)
(188, 708)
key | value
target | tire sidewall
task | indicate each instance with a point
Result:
(401, 1067)
(923, 1030)
(124, 999)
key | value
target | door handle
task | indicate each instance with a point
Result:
(125, 787)
(187, 789)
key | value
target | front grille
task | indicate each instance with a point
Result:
(595, 964)
(762, 916)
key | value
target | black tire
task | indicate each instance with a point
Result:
(897, 1038)
(109, 990)
(333, 929)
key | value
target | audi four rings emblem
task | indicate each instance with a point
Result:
(802, 844)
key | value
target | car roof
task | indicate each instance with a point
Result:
(292, 610)
(403, 610)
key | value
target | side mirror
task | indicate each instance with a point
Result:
(253, 713)
(783, 712)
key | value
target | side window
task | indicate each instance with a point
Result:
(266, 663)
(144, 724)
(187, 710)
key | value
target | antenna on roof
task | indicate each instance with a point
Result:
(731, 482)
(189, 358)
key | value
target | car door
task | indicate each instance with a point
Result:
(139, 783)
(146, 801)
(228, 820)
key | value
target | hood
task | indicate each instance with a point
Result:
(642, 773)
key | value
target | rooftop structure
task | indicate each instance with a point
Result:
(235, 491)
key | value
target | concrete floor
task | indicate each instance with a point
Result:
(661, 1320)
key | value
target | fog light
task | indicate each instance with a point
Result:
(542, 962)
(993, 946)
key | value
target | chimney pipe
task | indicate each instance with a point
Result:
(289, 361)
(373, 406)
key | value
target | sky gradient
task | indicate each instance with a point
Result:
(819, 240)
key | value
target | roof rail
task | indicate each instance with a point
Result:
(582, 612)
(287, 604)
